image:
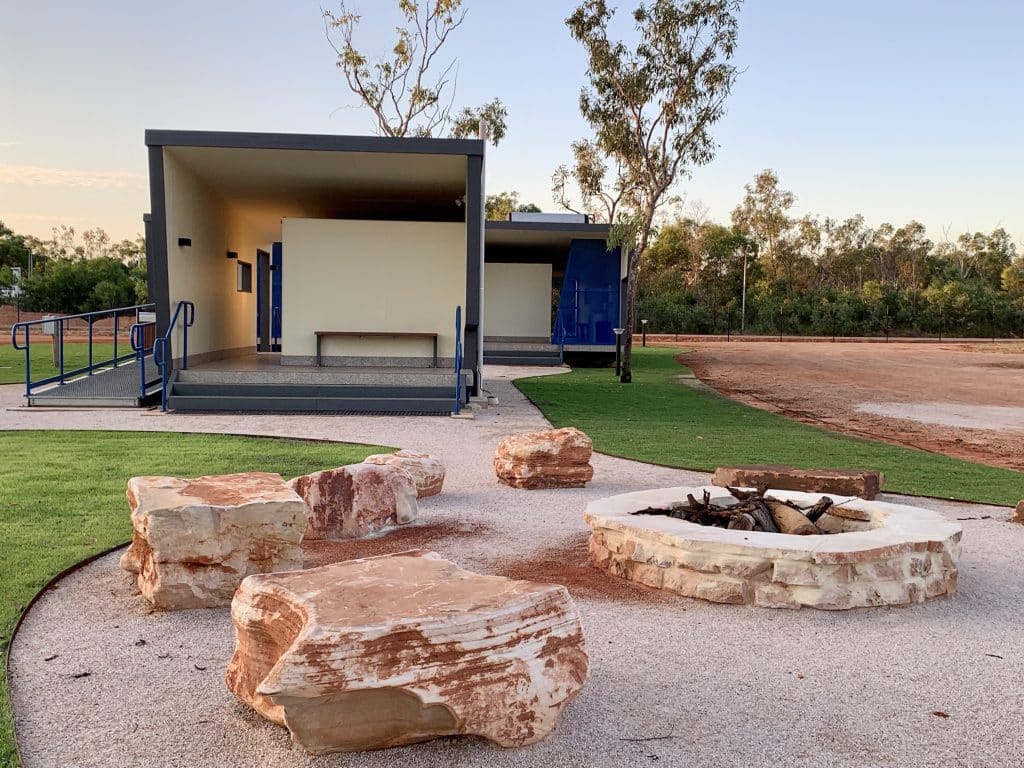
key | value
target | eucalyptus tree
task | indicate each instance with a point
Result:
(651, 103)
(408, 90)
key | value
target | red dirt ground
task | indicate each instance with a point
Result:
(822, 383)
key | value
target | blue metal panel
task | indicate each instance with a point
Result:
(588, 305)
(276, 268)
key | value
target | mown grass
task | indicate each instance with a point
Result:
(658, 419)
(76, 355)
(62, 499)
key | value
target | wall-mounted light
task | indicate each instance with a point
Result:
(232, 254)
(273, 267)
(184, 242)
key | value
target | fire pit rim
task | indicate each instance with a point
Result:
(898, 524)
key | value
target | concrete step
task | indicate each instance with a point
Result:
(518, 358)
(192, 389)
(330, 376)
(531, 347)
(281, 404)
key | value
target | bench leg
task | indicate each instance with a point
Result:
(435, 351)
(319, 362)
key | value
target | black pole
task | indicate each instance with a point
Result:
(618, 354)
(645, 334)
(833, 325)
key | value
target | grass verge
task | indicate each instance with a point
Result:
(62, 499)
(659, 420)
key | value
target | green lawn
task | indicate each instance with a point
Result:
(62, 499)
(659, 420)
(76, 355)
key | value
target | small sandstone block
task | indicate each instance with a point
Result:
(193, 541)
(392, 650)
(1018, 513)
(556, 458)
(427, 471)
(357, 500)
(843, 482)
(713, 587)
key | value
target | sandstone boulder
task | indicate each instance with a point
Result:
(843, 482)
(427, 471)
(353, 501)
(193, 541)
(556, 458)
(1018, 513)
(391, 650)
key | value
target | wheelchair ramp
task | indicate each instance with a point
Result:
(109, 388)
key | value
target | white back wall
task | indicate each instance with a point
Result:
(346, 275)
(517, 300)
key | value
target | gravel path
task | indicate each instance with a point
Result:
(674, 682)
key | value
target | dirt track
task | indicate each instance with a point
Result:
(964, 400)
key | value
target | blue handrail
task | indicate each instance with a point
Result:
(162, 347)
(137, 340)
(57, 325)
(458, 360)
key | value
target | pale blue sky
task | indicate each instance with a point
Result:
(896, 109)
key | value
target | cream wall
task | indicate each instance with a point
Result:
(225, 319)
(517, 300)
(343, 275)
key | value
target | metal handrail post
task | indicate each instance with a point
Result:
(116, 316)
(458, 360)
(60, 347)
(90, 345)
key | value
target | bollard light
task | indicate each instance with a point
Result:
(618, 350)
(643, 324)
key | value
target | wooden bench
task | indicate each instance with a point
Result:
(372, 334)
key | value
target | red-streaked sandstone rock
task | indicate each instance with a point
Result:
(353, 501)
(556, 458)
(845, 482)
(1018, 513)
(385, 651)
(427, 471)
(193, 541)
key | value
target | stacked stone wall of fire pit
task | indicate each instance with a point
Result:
(880, 554)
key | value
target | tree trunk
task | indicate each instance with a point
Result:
(632, 278)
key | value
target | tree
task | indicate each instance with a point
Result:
(599, 198)
(403, 89)
(498, 207)
(651, 107)
(763, 214)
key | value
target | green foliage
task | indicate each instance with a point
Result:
(71, 287)
(499, 206)
(663, 421)
(403, 89)
(63, 498)
(821, 277)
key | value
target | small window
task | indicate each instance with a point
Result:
(244, 277)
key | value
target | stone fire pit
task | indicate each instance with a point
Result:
(880, 553)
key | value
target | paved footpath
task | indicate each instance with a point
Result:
(674, 682)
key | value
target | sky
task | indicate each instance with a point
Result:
(894, 109)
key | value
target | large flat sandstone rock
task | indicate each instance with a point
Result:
(427, 471)
(193, 541)
(1018, 513)
(845, 482)
(384, 651)
(555, 458)
(354, 501)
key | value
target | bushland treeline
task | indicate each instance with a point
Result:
(820, 276)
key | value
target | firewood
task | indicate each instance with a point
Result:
(790, 520)
(744, 521)
(763, 516)
(819, 509)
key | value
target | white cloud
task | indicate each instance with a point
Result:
(8, 144)
(34, 175)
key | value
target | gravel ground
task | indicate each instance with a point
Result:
(674, 682)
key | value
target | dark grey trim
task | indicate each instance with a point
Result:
(597, 230)
(324, 142)
(474, 265)
(156, 242)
